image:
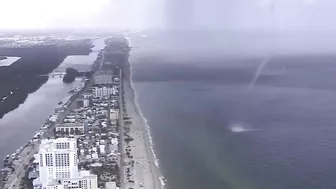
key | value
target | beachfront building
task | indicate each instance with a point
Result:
(86, 103)
(104, 91)
(111, 185)
(103, 77)
(53, 118)
(87, 95)
(83, 102)
(58, 166)
(75, 129)
(114, 114)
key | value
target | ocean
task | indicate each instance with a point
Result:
(215, 126)
(217, 122)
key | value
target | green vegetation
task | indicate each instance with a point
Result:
(70, 76)
(29, 73)
(108, 173)
(26, 182)
(128, 139)
(72, 73)
(25, 76)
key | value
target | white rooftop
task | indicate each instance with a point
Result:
(50, 145)
(70, 125)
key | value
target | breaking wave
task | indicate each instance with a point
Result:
(239, 128)
(156, 160)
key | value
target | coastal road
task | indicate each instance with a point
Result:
(20, 171)
(121, 132)
(102, 60)
(28, 152)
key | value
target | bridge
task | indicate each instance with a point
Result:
(55, 74)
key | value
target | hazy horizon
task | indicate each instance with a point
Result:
(241, 15)
(247, 26)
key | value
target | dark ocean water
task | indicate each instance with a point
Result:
(212, 129)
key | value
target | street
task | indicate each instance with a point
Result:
(25, 156)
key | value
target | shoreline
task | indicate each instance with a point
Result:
(25, 153)
(142, 132)
(146, 171)
(34, 123)
(29, 148)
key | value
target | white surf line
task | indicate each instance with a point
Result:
(258, 72)
(4, 98)
(161, 178)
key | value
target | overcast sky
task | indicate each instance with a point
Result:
(143, 14)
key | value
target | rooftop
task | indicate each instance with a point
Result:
(53, 145)
(104, 72)
(70, 125)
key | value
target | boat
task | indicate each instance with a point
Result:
(60, 102)
(72, 91)
(6, 160)
(7, 157)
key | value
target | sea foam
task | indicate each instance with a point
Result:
(239, 128)
(156, 160)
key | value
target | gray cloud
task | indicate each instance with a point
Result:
(281, 15)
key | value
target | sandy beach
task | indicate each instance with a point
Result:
(144, 172)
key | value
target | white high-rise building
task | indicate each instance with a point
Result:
(58, 159)
(58, 166)
(105, 91)
(86, 103)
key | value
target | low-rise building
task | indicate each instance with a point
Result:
(87, 95)
(83, 102)
(114, 114)
(111, 185)
(53, 118)
(70, 129)
(103, 77)
(102, 149)
(114, 141)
